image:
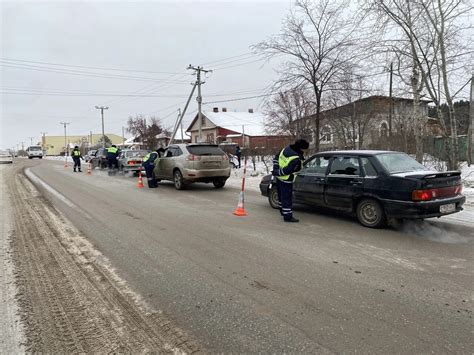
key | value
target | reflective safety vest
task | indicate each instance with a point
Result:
(76, 153)
(283, 162)
(112, 150)
(148, 156)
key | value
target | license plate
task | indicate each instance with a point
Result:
(447, 208)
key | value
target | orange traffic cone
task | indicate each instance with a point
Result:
(240, 210)
(89, 169)
(140, 179)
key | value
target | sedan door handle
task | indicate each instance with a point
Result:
(356, 182)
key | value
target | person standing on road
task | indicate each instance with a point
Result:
(112, 154)
(289, 161)
(76, 157)
(149, 165)
(238, 154)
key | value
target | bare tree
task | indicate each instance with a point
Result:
(146, 129)
(429, 37)
(285, 112)
(317, 37)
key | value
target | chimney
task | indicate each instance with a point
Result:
(250, 110)
(224, 109)
(215, 109)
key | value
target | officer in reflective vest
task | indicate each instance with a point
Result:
(112, 154)
(290, 160)
(76, 157)
(149, 165)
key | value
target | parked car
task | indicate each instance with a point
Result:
(34, 151)
(374, 185)
(197, 162)
(89, 155)
(131, 160)
(99, 159)
(6, 157)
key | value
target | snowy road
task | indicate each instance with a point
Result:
(255, 284)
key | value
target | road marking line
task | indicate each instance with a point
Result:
(36, 180)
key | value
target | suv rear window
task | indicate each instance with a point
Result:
(34, 148)
(205, 150)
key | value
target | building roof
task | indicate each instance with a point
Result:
(253, 123)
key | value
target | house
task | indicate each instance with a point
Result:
(246, 129)
(366, 124)
(54, 145)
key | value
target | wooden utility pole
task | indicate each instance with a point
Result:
(470, 136)
(102, 108)
(66, 148)
(43, 142)
(390, 108)
(198, 71)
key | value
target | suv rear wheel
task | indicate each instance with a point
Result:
(219, 183)
(370, 213)
(178, 180)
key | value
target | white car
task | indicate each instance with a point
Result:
(34, 151)
(5, 157)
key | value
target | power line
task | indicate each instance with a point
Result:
(84, 73)
(88, 67)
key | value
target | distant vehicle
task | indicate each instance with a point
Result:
(34, 151)
(131, 160)
(373, 185)
(89, 155)
(99, 159)
(187, 163)
(6, 157)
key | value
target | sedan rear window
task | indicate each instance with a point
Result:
(399, 163)
(205, 150)
(34, 148)
(136, 153)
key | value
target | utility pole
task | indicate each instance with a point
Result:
(123, 137)
(390, 112)
(182, 114)
(43, 142)
(470, 135)
(31, 140)
(198, 71)
(102, 108)
(66, 148)
(22, 148)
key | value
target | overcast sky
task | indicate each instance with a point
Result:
(152, 42)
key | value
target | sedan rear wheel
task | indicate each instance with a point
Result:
(273, 198)
(370, 213)
(219, 183)
(178, 180)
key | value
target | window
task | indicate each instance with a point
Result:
(326, 134)
(317, 165)
(203, 120)
(399, 163)
(205, 150)
(210, 138)
(345, 166)
(368, 167)
(384, 129)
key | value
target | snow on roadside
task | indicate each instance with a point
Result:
(252, 176)
(11, 330)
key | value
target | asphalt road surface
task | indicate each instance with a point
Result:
(256, 284)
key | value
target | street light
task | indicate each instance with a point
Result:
(102, 108)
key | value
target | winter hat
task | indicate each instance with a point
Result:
(302, 144)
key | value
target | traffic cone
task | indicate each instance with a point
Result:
(140, 179)
(240, 210)
(89, 169)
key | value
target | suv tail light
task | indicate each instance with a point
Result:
(192, 157)
(427, 195)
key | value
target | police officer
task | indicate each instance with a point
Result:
(76, 157)
(149, 165)
(289, 161)
(112, 154)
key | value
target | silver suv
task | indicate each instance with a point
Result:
(198, 162)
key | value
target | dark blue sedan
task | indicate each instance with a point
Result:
(374, 185)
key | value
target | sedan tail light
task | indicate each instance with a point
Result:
(192, 157)
(430, 194)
